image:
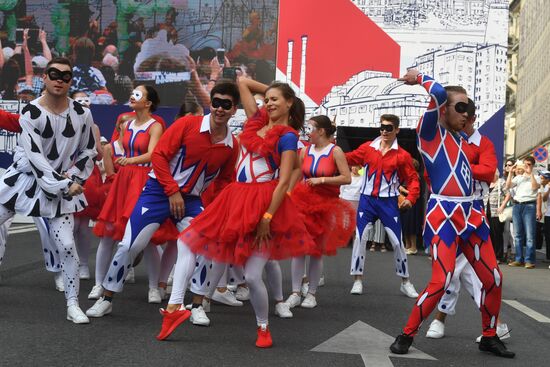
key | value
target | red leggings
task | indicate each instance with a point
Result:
(481, 256)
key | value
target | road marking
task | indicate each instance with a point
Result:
(22, 230)
(528, 311)
(372, 344)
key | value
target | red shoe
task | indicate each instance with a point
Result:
(264, 338)
(171, 320)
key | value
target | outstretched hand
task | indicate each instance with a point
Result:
(410, 77)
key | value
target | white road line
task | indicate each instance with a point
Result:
(528, 311)
(22, 230)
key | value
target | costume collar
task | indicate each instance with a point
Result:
(475, 138)
(376, 143)
(205, 127)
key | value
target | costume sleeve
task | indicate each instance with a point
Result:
(428, 126)
(84, 162)
(485, 169)
(31, 142)
(408, 174)
(288, 141)
(9, 121)
(357, 157)
(168, 146)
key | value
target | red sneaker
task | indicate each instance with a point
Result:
(264, 338)
(171, 320)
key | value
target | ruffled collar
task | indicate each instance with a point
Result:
(266, 146)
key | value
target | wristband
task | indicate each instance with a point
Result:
(267, 216)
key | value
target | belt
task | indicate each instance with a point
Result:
(525, 202)
(456, 199)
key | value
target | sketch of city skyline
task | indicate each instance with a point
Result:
(459, 42)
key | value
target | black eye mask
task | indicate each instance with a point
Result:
(56, 74)
(226, 104)
(387, 128)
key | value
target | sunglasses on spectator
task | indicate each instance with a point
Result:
(56, 74)
(461, 107)
(387, 128)
(226, 104)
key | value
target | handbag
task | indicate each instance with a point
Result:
(506, 214)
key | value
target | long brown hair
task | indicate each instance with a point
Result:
(297, 111)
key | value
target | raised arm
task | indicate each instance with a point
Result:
(247, 88)
(196, 86)
(45, 48)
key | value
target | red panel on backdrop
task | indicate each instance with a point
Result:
(342, 41)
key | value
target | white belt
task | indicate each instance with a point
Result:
(459, 199)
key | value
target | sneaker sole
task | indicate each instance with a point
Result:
(198, 323)
(177, 323)
(98, 316)
(77, 322)
(283, 317)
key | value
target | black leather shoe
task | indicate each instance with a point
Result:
(401, 344)
(494, 345)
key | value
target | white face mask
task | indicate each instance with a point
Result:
(85, 101)
(308, 129)
(137, 94)
(259, 103)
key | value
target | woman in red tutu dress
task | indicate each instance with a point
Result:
(140, 136)
(253, 220)
(329, 220)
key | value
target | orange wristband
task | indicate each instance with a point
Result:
(267, 216)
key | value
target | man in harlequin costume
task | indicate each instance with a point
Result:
(53, 159)
(484, 165)
(386, 166)
(453, 218)
(192, 152)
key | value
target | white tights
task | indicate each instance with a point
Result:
(253, 271)
(314, 274)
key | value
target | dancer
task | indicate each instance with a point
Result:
(252, 220)
(453, 219)
(141, 135)
(57, 148)
(386, 165)
(328, 219)
(194, 150)
(484, 165)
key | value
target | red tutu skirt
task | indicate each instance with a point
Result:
(225, 230)
(95, 194)
(329, 219)
(119, 204)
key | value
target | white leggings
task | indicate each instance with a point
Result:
(61, 232)
(274, 277)
(83, 235)
(168, 260)
(314, 274)
(253, 270)
(186, 266)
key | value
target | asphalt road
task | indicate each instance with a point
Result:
(34, 329)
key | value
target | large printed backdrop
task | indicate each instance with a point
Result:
(343, 57)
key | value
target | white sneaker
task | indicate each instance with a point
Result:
(321, 281)
(227, 298)
(100, 308)
(357, 287)
(309, 301)
(293, 300)
(131, 276)
(242, 293)
(198, 317)
(436, 330)
(205, 305)
(59, 284)
(96, 292)
(408, 290)
(305, 289)
(75, 314)
(232, 287)
(84, 272)
(163, 293)
(502, 332)
(154, 296)
(282, 309)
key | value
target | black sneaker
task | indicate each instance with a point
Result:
(494, 345)
(401, 344)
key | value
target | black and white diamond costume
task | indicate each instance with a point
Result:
(53, 152)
